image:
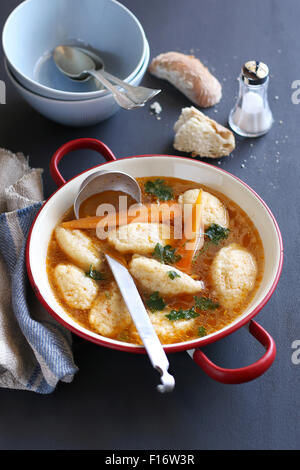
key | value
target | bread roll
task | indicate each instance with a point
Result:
(201, 136)
(189, 75)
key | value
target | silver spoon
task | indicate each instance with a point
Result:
(77, 65)
(119, 181)
(138, 94)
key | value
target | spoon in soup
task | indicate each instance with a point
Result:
(81, 64)
(122, 182)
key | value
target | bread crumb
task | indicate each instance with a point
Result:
(156, 109)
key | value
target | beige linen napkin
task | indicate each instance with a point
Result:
(35, 351)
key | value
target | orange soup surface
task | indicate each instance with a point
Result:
(211, 316)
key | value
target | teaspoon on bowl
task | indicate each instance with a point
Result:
(136, 93)
(81, 64)
(119, 181)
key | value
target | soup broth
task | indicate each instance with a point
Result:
(208, 318)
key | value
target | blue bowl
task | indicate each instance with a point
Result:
(36, 27)
(79, 112)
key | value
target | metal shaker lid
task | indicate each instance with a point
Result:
(255, 72)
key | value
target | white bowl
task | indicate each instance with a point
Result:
(76, 113)
(36, 27)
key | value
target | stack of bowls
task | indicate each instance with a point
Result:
(36, 27)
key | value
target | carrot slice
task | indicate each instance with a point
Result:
(165, 212)
(189, 246)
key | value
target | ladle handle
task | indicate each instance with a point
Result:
(77, 144)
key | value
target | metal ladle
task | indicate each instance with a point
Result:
(119, 181)
(81, 64)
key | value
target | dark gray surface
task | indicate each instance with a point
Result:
(112, 402)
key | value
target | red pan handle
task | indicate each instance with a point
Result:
(244, 374)
(77, 144)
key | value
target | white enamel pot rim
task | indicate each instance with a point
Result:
(164, 166)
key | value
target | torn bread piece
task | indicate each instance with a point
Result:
(189, 75)
(201, 136)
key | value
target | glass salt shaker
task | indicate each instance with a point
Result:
(251, 115)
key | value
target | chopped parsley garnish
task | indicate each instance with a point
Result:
(204, 303)
(159, 189)
(216, 233)
(182, 314)
(96, 275)
(173, 274)
(165, 254)
(155, 302)
(200, 252)
(202, 331)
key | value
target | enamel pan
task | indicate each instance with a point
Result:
(166, 166)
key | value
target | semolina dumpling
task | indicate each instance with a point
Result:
(138, 237)
(233, 273)
(109, 314)
(76, 288)
(166, 330)
(79, 248)
(213, 212)
(154, 276)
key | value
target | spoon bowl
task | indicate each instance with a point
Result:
(104, 181)
(72, 62)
